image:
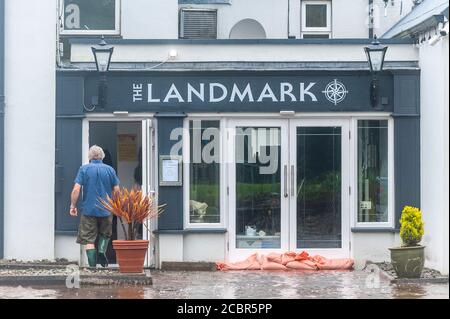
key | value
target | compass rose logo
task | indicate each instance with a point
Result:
(335, 92)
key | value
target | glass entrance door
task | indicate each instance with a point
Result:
(319, 212)
(259, 188)
(288, 187)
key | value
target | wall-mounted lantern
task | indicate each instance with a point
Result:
(102, 55)
(375, 53)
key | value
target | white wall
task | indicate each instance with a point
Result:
(30, 129)
(373, 246)
(149, 19)
(271, 14)
(242, 53)
(395, 11)
(191, 247)
(435, 152)
(204, 247)
(294, 18)
(170, 248)
(158, 19)
(66, 247)
(350, 21)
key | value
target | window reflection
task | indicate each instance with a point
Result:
(319, 215)
(89, 15)
(372, 171)
(204, 172)
(258, 187)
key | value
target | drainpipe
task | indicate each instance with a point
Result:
(288, 19)
(371, 19)
(2, 123)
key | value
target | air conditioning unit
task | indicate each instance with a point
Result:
(198, 23)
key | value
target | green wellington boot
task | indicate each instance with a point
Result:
(103, 242)
(92, 257)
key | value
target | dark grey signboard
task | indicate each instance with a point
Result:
(240, 92)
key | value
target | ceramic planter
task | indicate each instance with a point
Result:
(408, 261)
(131, 255)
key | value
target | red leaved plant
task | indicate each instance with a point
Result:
(132, 208)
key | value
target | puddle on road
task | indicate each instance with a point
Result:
(241, 285)
(27, 293)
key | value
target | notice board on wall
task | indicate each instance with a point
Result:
(127, 147)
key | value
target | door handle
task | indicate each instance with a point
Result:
(286, 193)
(292, 180)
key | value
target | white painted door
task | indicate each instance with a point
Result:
(288, 187)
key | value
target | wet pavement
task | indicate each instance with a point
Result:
(248, 284)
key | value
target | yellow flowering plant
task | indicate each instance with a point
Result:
(412, 226)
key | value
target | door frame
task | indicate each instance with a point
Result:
(149, 169)
(344, 123)
(288, 157)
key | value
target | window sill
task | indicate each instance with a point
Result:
(91, 36)
(193, 231)
(374, 230)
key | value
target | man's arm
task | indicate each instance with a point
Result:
(115, 181)
(74, 199)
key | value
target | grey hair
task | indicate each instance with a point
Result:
(96, 153)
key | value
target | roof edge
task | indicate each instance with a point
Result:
(121, 41)
(242, 66)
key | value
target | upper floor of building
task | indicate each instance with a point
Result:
(230, 19)
(145, 31)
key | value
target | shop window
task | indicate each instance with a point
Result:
(90, 17)
(204, 172)
(316, 19)
(373, 186)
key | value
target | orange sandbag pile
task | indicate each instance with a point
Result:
(288, 261)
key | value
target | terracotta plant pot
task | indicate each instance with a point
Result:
(408, 261)
(131, 255)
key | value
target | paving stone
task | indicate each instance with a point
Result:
(428, 275)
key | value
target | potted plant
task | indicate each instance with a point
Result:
(409, 259)
(132, 209)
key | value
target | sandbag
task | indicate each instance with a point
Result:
(301, 265)
(302, 256)
(336, 264)
(288, 257)
(286, 261)
(251, 263)
(270, 265)
(275, 257)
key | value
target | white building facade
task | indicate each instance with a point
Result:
(428, 25)
(288, 77)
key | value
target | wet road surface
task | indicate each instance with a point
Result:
(249, 284)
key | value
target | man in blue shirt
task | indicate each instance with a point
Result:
(95, 180)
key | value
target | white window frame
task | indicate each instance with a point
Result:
(116, 31)
(391, 174)
(149, 169)
(316, 31)
(186, 175)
